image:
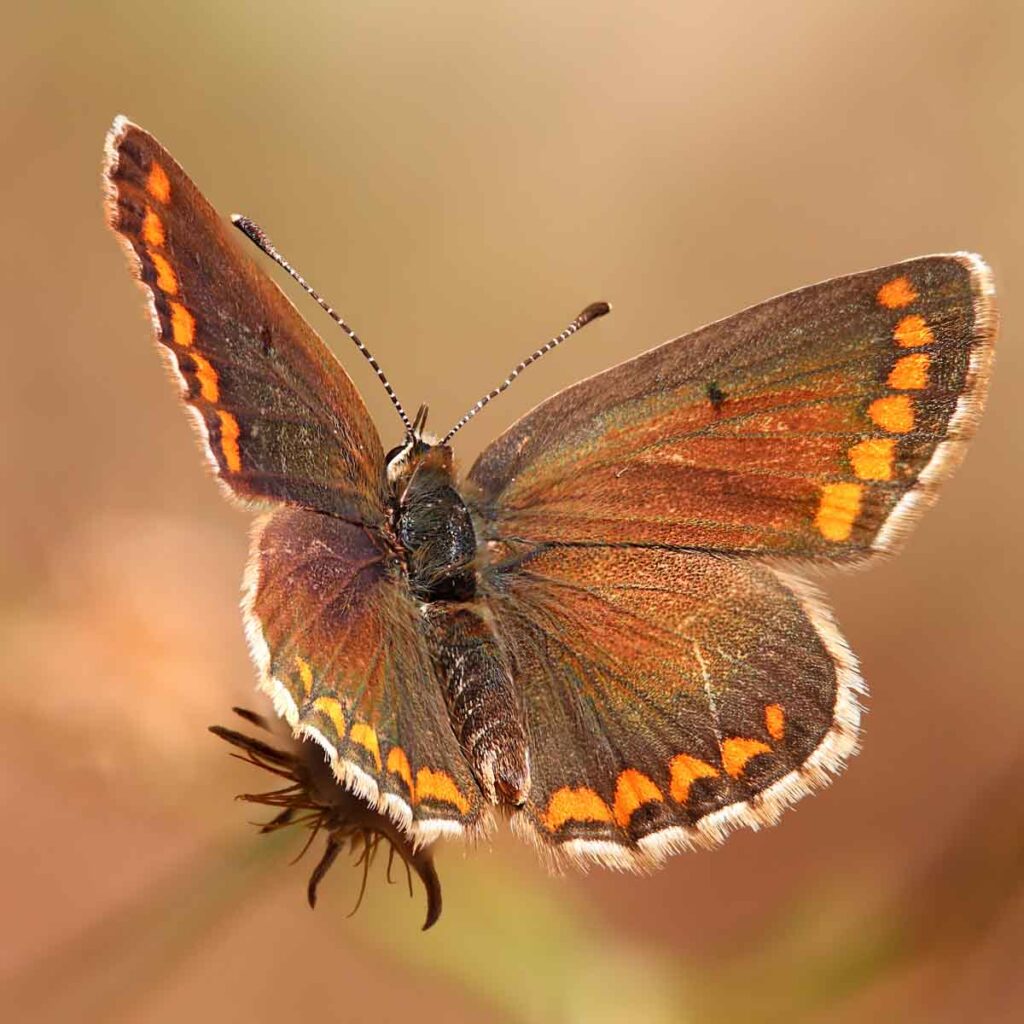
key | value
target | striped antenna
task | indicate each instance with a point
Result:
(592, 312)
(259, 238)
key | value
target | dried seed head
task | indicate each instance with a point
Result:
(312, 799)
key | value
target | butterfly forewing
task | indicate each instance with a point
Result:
(811, 425)
(279, 416)
(669, 697)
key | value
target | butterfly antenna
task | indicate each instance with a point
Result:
(592, 312)
(259, 238)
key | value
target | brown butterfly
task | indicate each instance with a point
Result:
(598, 629)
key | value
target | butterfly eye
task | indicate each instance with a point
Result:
(414, 450)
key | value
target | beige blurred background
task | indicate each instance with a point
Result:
(459, 179)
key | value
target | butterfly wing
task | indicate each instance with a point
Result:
(339, 644)
(815, 425)
(278, 416)
(332, 626)
(669, 697)
(673, 686)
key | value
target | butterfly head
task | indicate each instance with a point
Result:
(419, 452)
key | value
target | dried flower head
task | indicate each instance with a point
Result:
(314, 800)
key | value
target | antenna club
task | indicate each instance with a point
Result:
(592, 312)
(252, 231)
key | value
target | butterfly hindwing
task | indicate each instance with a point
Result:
(278, 415)
(813, 425)
(669, 697)
(339, 643)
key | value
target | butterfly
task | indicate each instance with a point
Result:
(601, 629)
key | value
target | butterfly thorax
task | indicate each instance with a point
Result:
(435, 530)
(432, 524)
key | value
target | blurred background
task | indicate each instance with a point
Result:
(460, 179)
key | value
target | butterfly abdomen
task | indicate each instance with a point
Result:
(481, 698)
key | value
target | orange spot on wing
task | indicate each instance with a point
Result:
(431, 785)
(152, 229)
(838, 510)
(897, 293)
(633, 789)
(366, 736)
(873, 459)
(568, 804)
(332, 709)
(209, 386)
(912, 331)
(158, 185)
(910, 372)
(229, 433)
(305, 673)
(166, 280)
(398, 764)
(183, 325)
(894, 413)
(736, 752)
(775, 721)
(684, 771)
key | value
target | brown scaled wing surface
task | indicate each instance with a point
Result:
(331, 624)
(669, 697)
(812, 425)
(279, 417)
(339, 642)
(673, 686)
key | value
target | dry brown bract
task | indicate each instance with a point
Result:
(313, 799)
